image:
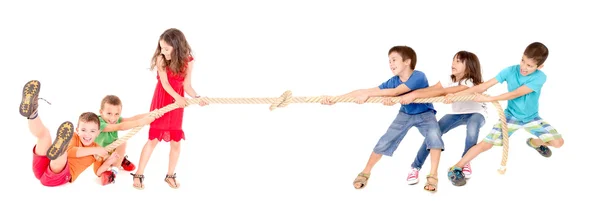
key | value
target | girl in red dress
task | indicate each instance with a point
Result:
(174, 63)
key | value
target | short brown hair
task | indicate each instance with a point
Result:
(406, 53)
(537, 51)
(89, 117)
(112, 100)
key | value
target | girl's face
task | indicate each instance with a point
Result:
(458, 67)
(165, 49)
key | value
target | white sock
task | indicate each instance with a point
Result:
(115, 170)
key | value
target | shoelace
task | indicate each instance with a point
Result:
(45, 100)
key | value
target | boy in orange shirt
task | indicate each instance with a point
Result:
(61, 162)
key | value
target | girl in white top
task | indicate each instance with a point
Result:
(466, 73)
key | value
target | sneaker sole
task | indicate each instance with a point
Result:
(63, 138)
(31, 90)
(413, 182)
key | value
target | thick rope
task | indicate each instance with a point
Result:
(286, 99)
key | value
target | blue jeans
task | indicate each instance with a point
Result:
(425, 122)
(473, 121)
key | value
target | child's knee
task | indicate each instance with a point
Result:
(557, 143)
(485, 146)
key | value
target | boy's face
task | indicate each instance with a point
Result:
(529, 66)
(396, 64)
(165, 49)
(110, 113)
(458, 67)
(87, 131)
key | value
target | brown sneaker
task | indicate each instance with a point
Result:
(29, 102)
(63, 138)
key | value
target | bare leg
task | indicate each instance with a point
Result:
(44, 140)
(474, 152)
(121, 151)
(554, 143)
(361, 179)
(59, 163)
(373, 159)
(435, 162)
(173, 159)
(144, 158)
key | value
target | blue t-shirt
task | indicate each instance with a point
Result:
(417, 80)
(524, 108)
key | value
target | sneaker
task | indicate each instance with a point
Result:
(64, 134)
(127, 165)
(107, 177)
(467, 170)
(542, 149)
(413, 176)
(456, 176)
(29, 101)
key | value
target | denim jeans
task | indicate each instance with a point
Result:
(473, 121)
(425, 122)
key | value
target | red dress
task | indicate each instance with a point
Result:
(168, 127)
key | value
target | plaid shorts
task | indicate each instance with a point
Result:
(537, 127)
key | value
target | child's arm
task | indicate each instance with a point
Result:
(401, 89)
(479, 88)
(126, 125)
(523, 90)
(436, 90)
(376, 91)
(164, 80)
(137, 117)
(415, 82)
(85, 151)
(187, 83)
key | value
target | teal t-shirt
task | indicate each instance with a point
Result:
(106, 138)
(524, 108)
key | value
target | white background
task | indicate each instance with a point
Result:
(305, 155)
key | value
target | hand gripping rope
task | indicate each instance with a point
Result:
(286, 99)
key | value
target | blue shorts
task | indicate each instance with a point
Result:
(425, 122)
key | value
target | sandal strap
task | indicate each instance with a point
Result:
(433, 177)
(171, 176)
(364, 175)
(138, 176)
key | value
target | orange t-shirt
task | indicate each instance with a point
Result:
(78, 164)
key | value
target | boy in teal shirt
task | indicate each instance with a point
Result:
(111, 123)
(524, 82)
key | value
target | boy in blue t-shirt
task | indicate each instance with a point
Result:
(402, 60)
(524, 82)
